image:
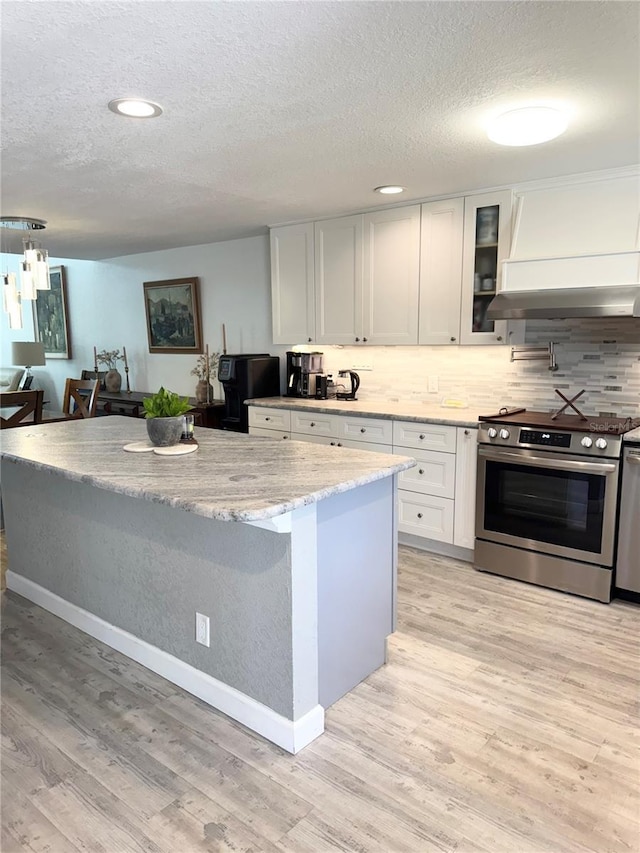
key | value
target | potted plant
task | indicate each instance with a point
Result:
(164, 411)
(112, 378)
(206, 369)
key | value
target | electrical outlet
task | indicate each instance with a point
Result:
(362, 367)
(433, 385)
(202, 629)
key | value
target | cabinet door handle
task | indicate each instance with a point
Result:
(420, 471)
(421, 437)
(467, 432)
(309, 339)
(357, 339)
(312, 423)
(498, 337)
(364, 339)
(363, 429)
(332, 443)
(339, 444)
(267, 418)
(285, 436)
(452, 339)
(419, 515)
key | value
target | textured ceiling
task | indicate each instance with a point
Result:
(282, 111)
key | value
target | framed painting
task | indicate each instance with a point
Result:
(50, 317)
(172, 309)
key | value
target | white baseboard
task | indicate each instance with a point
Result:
(288, 734)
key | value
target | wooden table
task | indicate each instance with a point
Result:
(130, 405)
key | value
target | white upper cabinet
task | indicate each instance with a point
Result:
(338, 280)
(486, 242)
(391, 276)
(441, 271)
(292, 284)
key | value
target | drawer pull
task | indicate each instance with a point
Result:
(267, 418)
(420, 471)
(419, 515)
(285, 436)
(332, 443)
(467, 432)
(421, 438)
(312, 423)
(362, 429)
(339, 444)
(452, 339)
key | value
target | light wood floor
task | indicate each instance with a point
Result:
(506, 722)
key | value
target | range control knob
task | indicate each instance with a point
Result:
(491, 432)
(586, 441)
(504, 434)
(601, 443)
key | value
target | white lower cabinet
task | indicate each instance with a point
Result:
(268, 433)
(436, 498)
(435, 473)
(271, 418)
(425, 515)
(464, 529)
(426, 492)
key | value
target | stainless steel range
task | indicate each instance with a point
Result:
(547, 493)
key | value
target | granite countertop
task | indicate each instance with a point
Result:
(423, 412)
(634, 435)
(231, 477)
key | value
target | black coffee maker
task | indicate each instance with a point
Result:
(303, 369)
(354, 384)
(243, 377)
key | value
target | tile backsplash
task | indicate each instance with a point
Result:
(600, 356)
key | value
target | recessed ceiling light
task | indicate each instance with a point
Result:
(390, 190)
(527, 126)
(135, 107)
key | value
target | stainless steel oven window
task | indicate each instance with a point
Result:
(562, 506)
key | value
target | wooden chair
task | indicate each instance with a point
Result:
(91, 374)
(24, 404)
(77, 404)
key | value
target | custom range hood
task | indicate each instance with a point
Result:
(559, 303)
(575, 252)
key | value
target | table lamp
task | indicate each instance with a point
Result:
(27, 354)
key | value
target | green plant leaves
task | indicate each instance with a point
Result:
(165, 404)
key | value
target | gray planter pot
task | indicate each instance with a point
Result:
(163, 432)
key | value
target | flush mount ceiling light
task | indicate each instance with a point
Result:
(389, 190)
(527, 126)
(34, 269)
(135, 108)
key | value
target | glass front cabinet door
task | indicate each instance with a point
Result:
(486, 243)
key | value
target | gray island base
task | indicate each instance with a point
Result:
(288, 549)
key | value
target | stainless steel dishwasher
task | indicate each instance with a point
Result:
(628, 562)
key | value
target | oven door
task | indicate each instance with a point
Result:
(549, 503)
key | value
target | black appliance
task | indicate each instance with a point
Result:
(303, 369)
(244, 377)
(547, 497)
(354, 384)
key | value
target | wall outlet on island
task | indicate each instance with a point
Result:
(202, 629)
(433, 384)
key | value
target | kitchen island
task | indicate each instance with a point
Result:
(289, 557)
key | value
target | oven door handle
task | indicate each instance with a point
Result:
(544, 462)
(633, 459)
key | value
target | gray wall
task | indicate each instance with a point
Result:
(147, 568)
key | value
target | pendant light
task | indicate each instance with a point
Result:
(34, 269)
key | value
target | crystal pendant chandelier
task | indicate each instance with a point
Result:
(34, 269)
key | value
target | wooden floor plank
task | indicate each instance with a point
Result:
(506, 721)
